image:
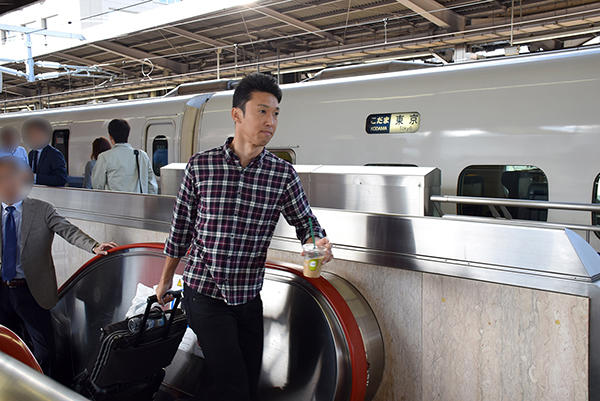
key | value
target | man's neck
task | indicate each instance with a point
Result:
(14, 203)
(245, 151)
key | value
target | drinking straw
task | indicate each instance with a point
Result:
(312, 232)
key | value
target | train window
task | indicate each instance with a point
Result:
(286, 154)
(60, 140)
(160, 153)
(596, 199)
(500, 181)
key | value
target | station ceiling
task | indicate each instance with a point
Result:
(10, 5)
(300, 37)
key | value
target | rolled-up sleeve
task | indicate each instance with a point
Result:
(184, 216)
(297, 211)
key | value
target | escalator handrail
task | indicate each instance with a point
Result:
(12, 345)
(153, 245)
(352, 334)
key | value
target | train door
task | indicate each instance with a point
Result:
(159, 143)
(60, 140)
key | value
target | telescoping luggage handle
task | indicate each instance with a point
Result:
(151, 300)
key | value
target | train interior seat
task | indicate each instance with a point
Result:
(473, 185)
(510, 181)
(522, 185)
(538, 191)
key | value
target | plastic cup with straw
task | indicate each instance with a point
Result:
(313, 255)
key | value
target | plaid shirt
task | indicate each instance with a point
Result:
(226, 214)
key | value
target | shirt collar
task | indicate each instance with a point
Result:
(42, 148)
(231, 157)
(123, 144)
(18, 206)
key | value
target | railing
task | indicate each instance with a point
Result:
(500, 204)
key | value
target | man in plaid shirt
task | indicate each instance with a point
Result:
(226, 211)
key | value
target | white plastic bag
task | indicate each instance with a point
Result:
(138, 303)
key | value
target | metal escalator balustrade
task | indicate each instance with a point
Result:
(20, 382)
(322, 340)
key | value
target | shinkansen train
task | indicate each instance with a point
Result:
(526, 127)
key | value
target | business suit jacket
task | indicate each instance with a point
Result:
(51, 168)
(39, 223)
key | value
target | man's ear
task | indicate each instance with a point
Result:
(236, 114)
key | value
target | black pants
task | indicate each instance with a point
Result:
(20, 311)
(231, 338)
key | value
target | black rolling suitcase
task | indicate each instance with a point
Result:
(132, 358)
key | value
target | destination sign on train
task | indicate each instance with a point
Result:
(393, 123)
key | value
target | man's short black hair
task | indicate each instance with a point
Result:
(119, 130)
(255, 82)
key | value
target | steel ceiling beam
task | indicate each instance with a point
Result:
(196, 36)
(85, 61)
(39, 31)
(435, 13)
(137, 55)
(26, 92)
(269, 12)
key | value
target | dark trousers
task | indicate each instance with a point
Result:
(231, 338)
(21, 313)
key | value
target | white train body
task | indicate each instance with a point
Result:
(539, 110)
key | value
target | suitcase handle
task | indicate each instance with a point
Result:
(151, 300)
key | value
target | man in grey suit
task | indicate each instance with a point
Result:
(28, 288)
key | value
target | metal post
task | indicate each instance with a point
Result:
(219, 63)
(278, 69)
(512, 20)
(385, 23)
(29, 62)
(235, 55)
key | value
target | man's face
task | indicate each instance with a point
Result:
(259, 122)
(36, 138)
(9, 140)
(15, 183)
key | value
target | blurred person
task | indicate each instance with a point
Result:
(224, 218)
(98, 146)
(47, 163)
(10, 144)
(28, 289)
(123, 168)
